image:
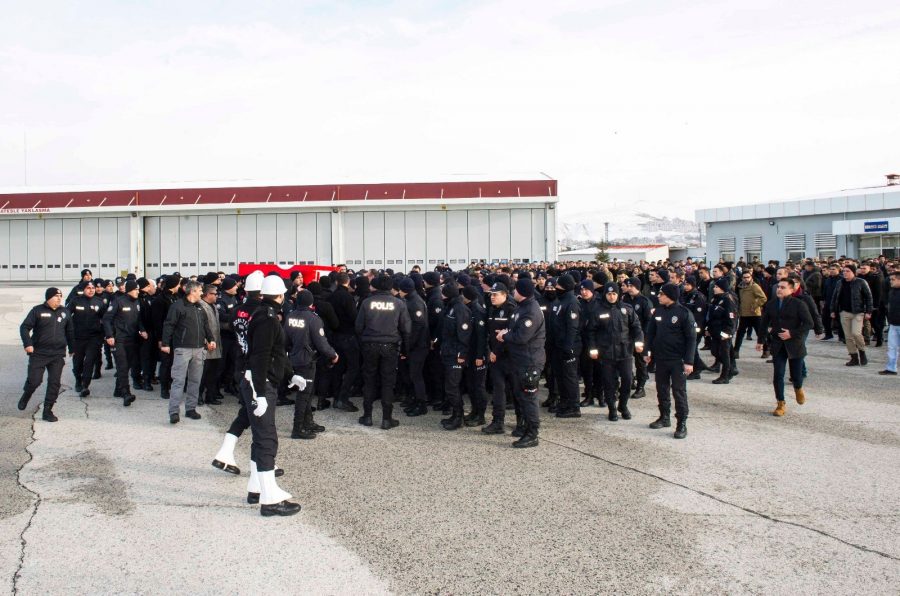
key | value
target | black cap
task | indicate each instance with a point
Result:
(130, 285)
(119, 281)
(499, 287)
(566, 282)
(634, 281)
(228, 283)
(86, 271)
(525, 287)
(470, 293)
(407, 285)
(142, 283)
(51, 292)
(383, 283)
(671, 292)
(432, 278)
(305, 298)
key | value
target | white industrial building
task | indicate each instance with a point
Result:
(623, 253)
(51, 234)
(858, 223)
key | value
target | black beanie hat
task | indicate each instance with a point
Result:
(663, 274)
(432, 278)
(142, 283)
(450, 290)
(304, 298)
(51, 292)
(690, 279)
(634, 281)
(851, 267)
(470, 293)
(671, 291)
(610, 287)
(722, 283)
(228, 283)
(565, 282)
(525, 287)
(210, 278)
(383, 283)
(600, 278)
(130, 285)
(407, 285)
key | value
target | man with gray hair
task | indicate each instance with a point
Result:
(187, 332)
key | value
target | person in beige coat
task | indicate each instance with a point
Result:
(209, 386)
(751, 299)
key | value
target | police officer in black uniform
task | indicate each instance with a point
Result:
(564, 327)
(123, 327)
(87, 311)
(434, 366)
(499, 315)
(642, 307)
(383, 327)
(475, 372)
(158, 312)
(695, 302)
(305, 342)
(417, 350)
(616, 336)
(46, 332)
(721, 318)
(670, 343)
(226, 304)
(524, 340)
(148, 348)
(346, 343)
(453, 341)
(590, 368)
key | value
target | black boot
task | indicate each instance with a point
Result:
(550, 401)
(680, 429)
(164, 390)
(322, 404)
(661, 422)
(48, 413)
(519, 431)
(345, 406)
(494, 428)
(366, 420)
(715, 368)
(529, 439)
(862, 358)
(625, 412)
(128, 398)
(854, 360)
(587, 402)
(299, 432)
(453, 423)
(475, 419)
(613, 414)
(79, 387)
(638, 393)
(694, 376)
(417, 409)
(723, 379)
(389, 423)
(23, 401)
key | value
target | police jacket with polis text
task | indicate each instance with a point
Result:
(122, 320)
(383, 319)
(87, 316)
(614, 330)
(455, 332)
(305, 337)
(527, 333)
(564, 324)
(671, 334)
(48, 331)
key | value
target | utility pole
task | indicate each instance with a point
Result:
(606, 234)
(25, 155)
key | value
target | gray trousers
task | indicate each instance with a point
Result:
(187, 365)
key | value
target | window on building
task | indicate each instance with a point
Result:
(827, 254)
(795, 256)
(753, 256)
(726, 257)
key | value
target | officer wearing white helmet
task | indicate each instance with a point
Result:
(266, 360)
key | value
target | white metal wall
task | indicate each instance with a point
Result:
(193, 244)
(53, 249)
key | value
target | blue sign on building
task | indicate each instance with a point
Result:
(875, 226)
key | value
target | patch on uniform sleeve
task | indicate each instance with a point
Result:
(731, 315)
(465, 326)
(624, 312)
(527, 323)
(419, 313)
(674, 320)
(481, 323)
(322, 332)
(437, 309)
(700, 309)
(574, 315)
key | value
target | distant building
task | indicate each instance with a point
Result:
(629, 252)
(860, 223)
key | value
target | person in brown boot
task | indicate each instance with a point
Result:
(785, 323)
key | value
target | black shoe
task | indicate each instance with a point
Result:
(549, 401)
(638, 393)
(529, 440)
(316, 428)
(737, 356)
(862, 358)
(694, 376)
(661, 422)
(587, 402)
(452, 423)
(84, 393)
(854, 360)
(879, 343)
(174, 419)
(721, 380)
(613, 416)
(733, 373)
(477, 420)
(303, 433)
(23, 402)
(283, 509)
(164, 392)
(881, 372)
(284, 401)
(192, 414)
(418, 409)
(109, 366)
(680, 430)
(79, 387)
(97, 374)
(715, 369)
(48, 415)
(389, 423)
(128, 399)
(625, 412)
(117, 393)
(494, 428)
(323, 404)
(226, 467)
(215, 401)
(279, 472)
(570, 413)
(519, 431)
(253, 498)
(345, 406)
(365, 420)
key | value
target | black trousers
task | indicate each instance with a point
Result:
(616, 375)
(565, 373)
(434, 376)
(348, 366)
(830, 325)
(241, 421)
(414, 374)
(501, 385)
(86, 356)
(744, 324)
(721, 349)
(640, 370)
(475, 380)
(127, 361)
(303, 415)
(529, 408)
(209, 382)
(453, 374)
(265, 436)
(229, 356)
(379, 370)
(165, 368)
(37, 364)
(670, 375)
(588, 370)
(149, 356)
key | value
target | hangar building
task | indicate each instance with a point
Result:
(51, 234)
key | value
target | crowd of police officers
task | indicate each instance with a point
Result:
(489, 333)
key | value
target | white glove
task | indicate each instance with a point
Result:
(261, 405)
(298, 382)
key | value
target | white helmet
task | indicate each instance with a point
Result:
(254, 281)
(273, 285)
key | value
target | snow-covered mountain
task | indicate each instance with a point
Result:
(632, 226)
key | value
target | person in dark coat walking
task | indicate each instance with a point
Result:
(46, 332)
(785, 323)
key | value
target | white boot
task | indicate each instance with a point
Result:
(224, 459)
(253, 484)
(271, 493)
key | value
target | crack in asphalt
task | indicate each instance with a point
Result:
(770, 518)
(34, 510)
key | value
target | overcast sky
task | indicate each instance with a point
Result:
(673, 105)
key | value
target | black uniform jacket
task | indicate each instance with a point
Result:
(526, 336)
(613, 330)
(672, 334)
(87, 316)
(48, 331)
(305, 337)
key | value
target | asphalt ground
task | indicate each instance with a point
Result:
(117, 500)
